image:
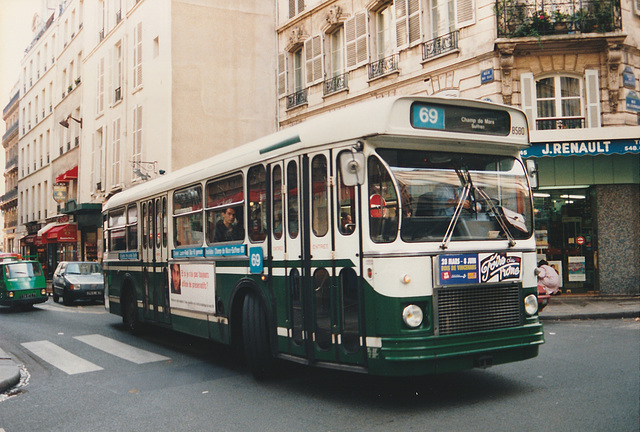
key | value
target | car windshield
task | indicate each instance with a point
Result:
(83, 268)
(460, 196)
(22, 270)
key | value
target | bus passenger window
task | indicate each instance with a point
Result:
(225, 209)
(117, 236)
(320, 202)
(187, 216)
(383, 203)
(292, 199)
(132, 227)
(257, 191)
(277, 202)
(346, 207)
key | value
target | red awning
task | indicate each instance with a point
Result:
(72, 174)
(67, 233)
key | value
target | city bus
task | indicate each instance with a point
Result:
(391, 237)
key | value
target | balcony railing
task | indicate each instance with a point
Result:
(11, 195)
(440, 45)
(297, 98)
(560, 123)
(336, 84)
(521, 18)
(383, 66)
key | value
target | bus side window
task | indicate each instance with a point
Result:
(132, 227)
(144, 225)
(320, 201)
(277, 202)
(292, 199)
(383, 203)
(187, 216)
(257, 192)
(224, 210)
(346, 206)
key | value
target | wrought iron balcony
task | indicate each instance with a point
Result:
(521, 18)
(336, 84)
(440, 45)
(297, 98)
(560, 123)
(383, 66)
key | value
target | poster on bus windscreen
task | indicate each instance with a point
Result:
(192, 287)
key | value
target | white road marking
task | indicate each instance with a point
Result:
(60, 358)
(122, 350)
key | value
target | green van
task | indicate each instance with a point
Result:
(22, 283)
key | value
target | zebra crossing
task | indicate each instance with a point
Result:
(72, 364)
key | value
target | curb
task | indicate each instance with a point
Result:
(9, 372)
(590, 316)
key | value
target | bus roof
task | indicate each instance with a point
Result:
(385, 116)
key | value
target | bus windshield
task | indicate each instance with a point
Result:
(460, 196)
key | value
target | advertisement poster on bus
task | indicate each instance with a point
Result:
(192, 287)
(457, 269)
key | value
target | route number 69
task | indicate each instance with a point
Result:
(429, 115)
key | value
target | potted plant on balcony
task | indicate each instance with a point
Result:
(560, 22)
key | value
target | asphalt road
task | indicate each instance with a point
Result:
(585, 378)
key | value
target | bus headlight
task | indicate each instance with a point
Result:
(531, 304)
(412, 316)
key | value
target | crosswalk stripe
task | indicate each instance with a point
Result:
(119, 349)
(60, 358)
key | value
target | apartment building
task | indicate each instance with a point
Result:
(9, 201)
(571, 65)
(116, 92)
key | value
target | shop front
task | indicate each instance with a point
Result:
(60, 241)
(587, 212)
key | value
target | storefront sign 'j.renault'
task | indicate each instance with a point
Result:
(581, 148)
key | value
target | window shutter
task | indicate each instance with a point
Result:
(292, 8)
(527, 92)
(465, 13)
(401, 23)
(313, 55)
(101, 85)
(415, 21)
(636, 6)
(592, 98)
(137, 55)
(282, 74)
(356, 37)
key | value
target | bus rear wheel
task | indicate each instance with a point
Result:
(130, 312)
(255, 335)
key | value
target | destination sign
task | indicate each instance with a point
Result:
(460, 119)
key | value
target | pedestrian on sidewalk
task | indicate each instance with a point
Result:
(548, 278)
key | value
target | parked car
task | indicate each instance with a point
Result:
(74, 280)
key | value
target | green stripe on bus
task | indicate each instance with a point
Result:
(281, 144)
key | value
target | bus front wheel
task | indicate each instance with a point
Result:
(255, 335)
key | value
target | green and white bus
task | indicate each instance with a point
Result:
(391, 237)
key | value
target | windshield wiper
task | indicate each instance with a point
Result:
(469, 189)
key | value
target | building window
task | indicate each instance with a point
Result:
(561, 101)
(442, 17)
(117, 72)
(295, 7)
(298, 70)
(137, 56)
(558, 103)
(116, 163)
(383, 20)
(337, 52)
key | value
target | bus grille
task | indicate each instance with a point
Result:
(473, 309)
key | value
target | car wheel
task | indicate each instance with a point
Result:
(66, 298)
(56, 297)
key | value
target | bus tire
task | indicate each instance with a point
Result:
(130, 312)
(255, 336)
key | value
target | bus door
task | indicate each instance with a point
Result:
(347, 263)
(292, 256)
(155, 272)
(320, 287)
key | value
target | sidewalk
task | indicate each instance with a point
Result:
(564, 307)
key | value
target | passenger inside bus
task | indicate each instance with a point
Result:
(227, 228)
